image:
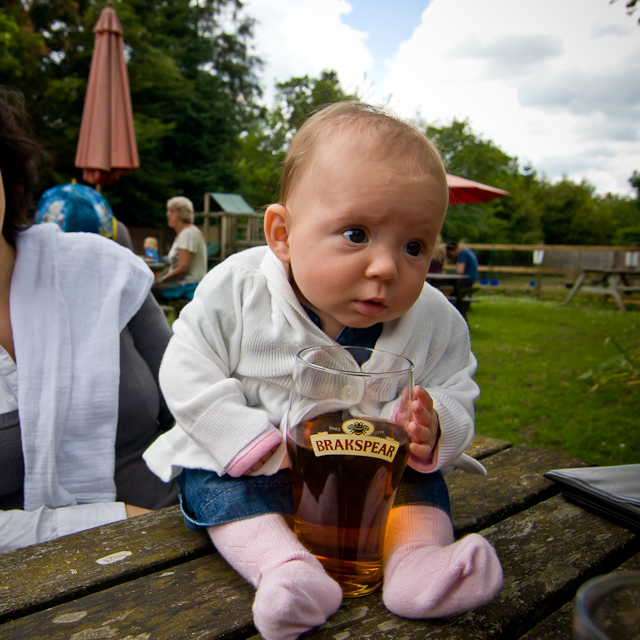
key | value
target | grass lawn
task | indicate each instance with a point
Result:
(532, 359)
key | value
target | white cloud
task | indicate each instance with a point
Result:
(305, 37)
(551, 82)
(548, 81)
(509, 55)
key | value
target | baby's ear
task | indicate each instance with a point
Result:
(276, 231)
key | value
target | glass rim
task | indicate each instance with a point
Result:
(365, 374)
(601, 585)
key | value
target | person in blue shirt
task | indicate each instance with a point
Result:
(466, 261)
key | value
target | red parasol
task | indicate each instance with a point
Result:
(463, 191)
(107, 143)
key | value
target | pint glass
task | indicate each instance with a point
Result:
(348, 448)
(608, 607)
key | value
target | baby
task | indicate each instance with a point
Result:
(151, 249)
(363, 197)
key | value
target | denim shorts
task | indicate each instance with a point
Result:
(207, 499)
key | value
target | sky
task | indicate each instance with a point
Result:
(553, 83)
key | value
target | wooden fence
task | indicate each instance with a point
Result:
(540, 261)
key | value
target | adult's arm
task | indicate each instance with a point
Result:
(151, 334)
(21, 528)
(461, 267)
(181, 269)
(123, 237)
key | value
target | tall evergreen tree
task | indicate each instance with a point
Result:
(193, 90)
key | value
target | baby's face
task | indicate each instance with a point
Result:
(363, 228)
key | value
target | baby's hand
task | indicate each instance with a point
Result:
(260, 462)
(255, 454)
(424, 426)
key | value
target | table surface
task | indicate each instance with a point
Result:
(156, 266)
(149, 578)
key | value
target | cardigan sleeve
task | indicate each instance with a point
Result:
(196, 374)
(445, 365)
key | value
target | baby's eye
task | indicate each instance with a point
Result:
(357, 236)
(413, 248)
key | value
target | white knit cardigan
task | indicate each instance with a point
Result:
(226, 373)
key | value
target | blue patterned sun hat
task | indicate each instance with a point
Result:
(76, 207)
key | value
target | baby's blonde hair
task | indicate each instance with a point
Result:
(387, 127)
(151, 243)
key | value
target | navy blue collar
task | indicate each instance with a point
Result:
(350, 336)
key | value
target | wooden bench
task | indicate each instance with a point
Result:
(450, 284)
(151, 578)
(464, 300)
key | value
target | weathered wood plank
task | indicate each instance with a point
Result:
(546, 553)
(559, 626)
(203, 599)
(545, 550)
(482, 447)
(57, 571)
(514, 482)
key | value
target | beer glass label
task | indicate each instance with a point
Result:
(337, 444)
(357, 427)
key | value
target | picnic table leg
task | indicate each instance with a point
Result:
(575, 287)
(459, 299)
(613, 282)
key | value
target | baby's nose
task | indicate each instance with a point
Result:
(383, 265)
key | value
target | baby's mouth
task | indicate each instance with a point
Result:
(371, 307)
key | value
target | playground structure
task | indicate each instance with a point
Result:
(229, 225)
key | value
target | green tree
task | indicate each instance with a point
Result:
(625, 214)
(193, 90)
(520, 213)
(264, 145)
(467, 155)
(571, 215)
(631, 5)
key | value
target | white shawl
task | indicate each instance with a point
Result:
(71, 296)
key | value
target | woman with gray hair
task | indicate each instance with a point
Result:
(188, 253)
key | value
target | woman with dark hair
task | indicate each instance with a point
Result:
(81, 340)
(17, 163)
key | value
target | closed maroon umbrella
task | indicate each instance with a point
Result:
(463, 191)
(107, 143)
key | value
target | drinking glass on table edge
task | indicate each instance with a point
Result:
(608, 608)
(348, 448)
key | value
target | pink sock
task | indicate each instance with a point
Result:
(294, 594)
(427, 574)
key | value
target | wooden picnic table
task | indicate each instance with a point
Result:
(451, 285)
(608, 282)
(149, 578)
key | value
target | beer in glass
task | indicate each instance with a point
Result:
(348, 448)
